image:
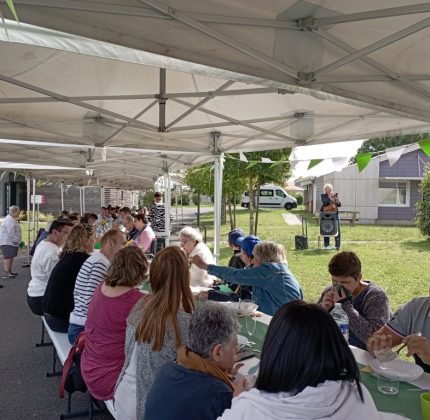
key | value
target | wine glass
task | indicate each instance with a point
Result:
(251, 325)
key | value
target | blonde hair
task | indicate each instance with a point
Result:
(269, 252)
(191, 233)
(328, 185)
(77, 240)
(129, 268)
(111, 234)
(170, 284)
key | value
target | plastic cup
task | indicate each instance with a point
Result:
(97, 245)
(425, 405)
(388, 386)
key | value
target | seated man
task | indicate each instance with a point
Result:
(365, 303)
(130, 228)
(409, 325)
(43, 262)
(199, 385)
(234, 292)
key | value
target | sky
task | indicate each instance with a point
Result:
(341, 151)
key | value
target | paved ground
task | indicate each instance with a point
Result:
(25, 391)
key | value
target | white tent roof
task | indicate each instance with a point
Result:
(371, 52)
(89, 104)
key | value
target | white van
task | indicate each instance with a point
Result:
(272, 196)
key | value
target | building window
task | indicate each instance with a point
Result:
(393, 194)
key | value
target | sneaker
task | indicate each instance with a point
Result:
(7, 276)
(327, 247)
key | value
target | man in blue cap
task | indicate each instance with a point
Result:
(236, 260)
(236, 292)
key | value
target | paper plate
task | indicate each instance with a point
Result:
(242, 308)
(404, 371)
(242, 340)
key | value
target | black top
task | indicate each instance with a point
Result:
(179, 393)
(236, 260)
(326, 201)
(58, 299)
(132, 234)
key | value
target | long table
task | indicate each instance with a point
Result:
(406, 402)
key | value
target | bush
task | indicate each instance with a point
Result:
(43, 217)
(299, 197)
(423, 206)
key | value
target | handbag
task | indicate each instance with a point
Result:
(71, 379)
(330, 208)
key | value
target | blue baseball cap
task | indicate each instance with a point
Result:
(248, 243)
(234, 235)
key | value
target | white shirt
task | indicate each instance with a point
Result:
(199, 277)
(90, 275)
(10, 232)
(44, 260)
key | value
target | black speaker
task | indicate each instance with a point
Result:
(328, 224)
(301, 241)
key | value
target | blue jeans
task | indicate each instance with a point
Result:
(74, 331)
(336, 238)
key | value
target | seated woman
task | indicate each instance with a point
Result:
(199, 385)
(365, 303)
(58, 300)
(273, 283)
(192, 243)
(145, 235)
(303, 374)
(155, 329)
(103, 355)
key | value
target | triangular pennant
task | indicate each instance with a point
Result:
(339, 163)
(425, 146)
(363, 160)
(314, 162)
(12, 9)
(394, 153)
(266, 160)
(252, 163)
(242, 157)
(279, 162)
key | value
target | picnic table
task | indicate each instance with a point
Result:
(407, 401)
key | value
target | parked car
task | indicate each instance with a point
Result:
(272, 196)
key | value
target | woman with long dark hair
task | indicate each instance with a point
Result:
(307, 371)
(156, 328)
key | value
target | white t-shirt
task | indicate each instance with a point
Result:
(44, 260)
(198, 276)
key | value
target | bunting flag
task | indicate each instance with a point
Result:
(363, 160)
(339, 163)
(266, 160)
(12, 9)
(394, 153)
(425, 146)
(242, 157)
(252, 163)
(314, 162)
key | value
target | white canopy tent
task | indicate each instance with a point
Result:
(129, 116)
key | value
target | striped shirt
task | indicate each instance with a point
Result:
(90, 276)
(156, 216)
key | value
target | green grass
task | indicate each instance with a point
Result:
(395, 257)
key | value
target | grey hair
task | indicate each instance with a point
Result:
(13, 209)
(128, 218)
(267, 251)
(211, 324)
(191, 233)
(328, 185)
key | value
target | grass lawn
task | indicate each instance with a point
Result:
(395, 257)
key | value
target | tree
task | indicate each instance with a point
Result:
(423, 206)
(380, 144)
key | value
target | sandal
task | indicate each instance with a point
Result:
(7, 276)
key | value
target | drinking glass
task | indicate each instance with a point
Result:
(387, 386)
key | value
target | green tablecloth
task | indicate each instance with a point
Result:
(406, 402)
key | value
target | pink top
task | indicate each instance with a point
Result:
(103, 355)
(144, 239)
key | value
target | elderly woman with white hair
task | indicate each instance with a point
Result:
(330, 203)
(272, 282)
(10, 238)
(193, 245)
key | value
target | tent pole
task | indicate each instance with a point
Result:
(162, 102)
(62, 194)
(34, 210)
(27, 263)
(83, 200)
(218, 170)
(167, 204)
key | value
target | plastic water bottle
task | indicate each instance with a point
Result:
(341, 319)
